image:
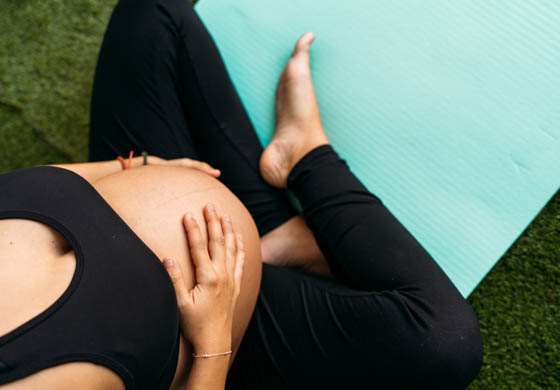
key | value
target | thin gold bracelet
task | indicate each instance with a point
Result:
(207, 355)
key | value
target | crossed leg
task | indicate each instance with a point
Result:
(389, 312)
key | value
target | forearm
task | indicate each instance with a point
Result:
(210, 373)
(92, 171)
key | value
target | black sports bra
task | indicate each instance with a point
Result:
(119, 310)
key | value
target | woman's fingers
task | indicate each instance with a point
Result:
(202, 166)
(216, 239)
(197, 245)
(222, 257)
(185, 162)
(239, 263)
(199, 165)
(230, 243)
(207, 310)
(176, 275)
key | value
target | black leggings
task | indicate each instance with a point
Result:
(391, 314)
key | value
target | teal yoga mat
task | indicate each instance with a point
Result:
(448, 110)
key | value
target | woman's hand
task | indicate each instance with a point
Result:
(207, 309)
(182, 162)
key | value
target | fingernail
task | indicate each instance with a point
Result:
(227, 219)
(189, 216)
(169, 262)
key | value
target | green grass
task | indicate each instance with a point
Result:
(48, 50)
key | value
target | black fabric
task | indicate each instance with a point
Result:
(391, 315)
(119, 310)
(391, 319)
(161, 87)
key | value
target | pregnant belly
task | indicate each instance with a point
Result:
(152, 201)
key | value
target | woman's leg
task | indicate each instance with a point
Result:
(391, 315)
(161, 86)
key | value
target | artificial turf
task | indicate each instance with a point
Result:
(48, 51)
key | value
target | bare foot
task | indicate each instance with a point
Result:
(298, 130)
(292, 244)
(298, 127)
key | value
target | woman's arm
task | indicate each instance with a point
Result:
(92, 171)
(207, 310)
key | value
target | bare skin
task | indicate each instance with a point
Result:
(298, 127)
(298, 130)
(37, 264)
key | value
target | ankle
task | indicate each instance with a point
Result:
(310, 145)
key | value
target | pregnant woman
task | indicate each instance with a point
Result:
(344, 291)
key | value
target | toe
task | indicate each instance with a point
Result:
(303, 43)
(299, 63)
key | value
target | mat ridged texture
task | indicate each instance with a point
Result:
(449, 111)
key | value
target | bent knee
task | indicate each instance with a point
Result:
(455, 356)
